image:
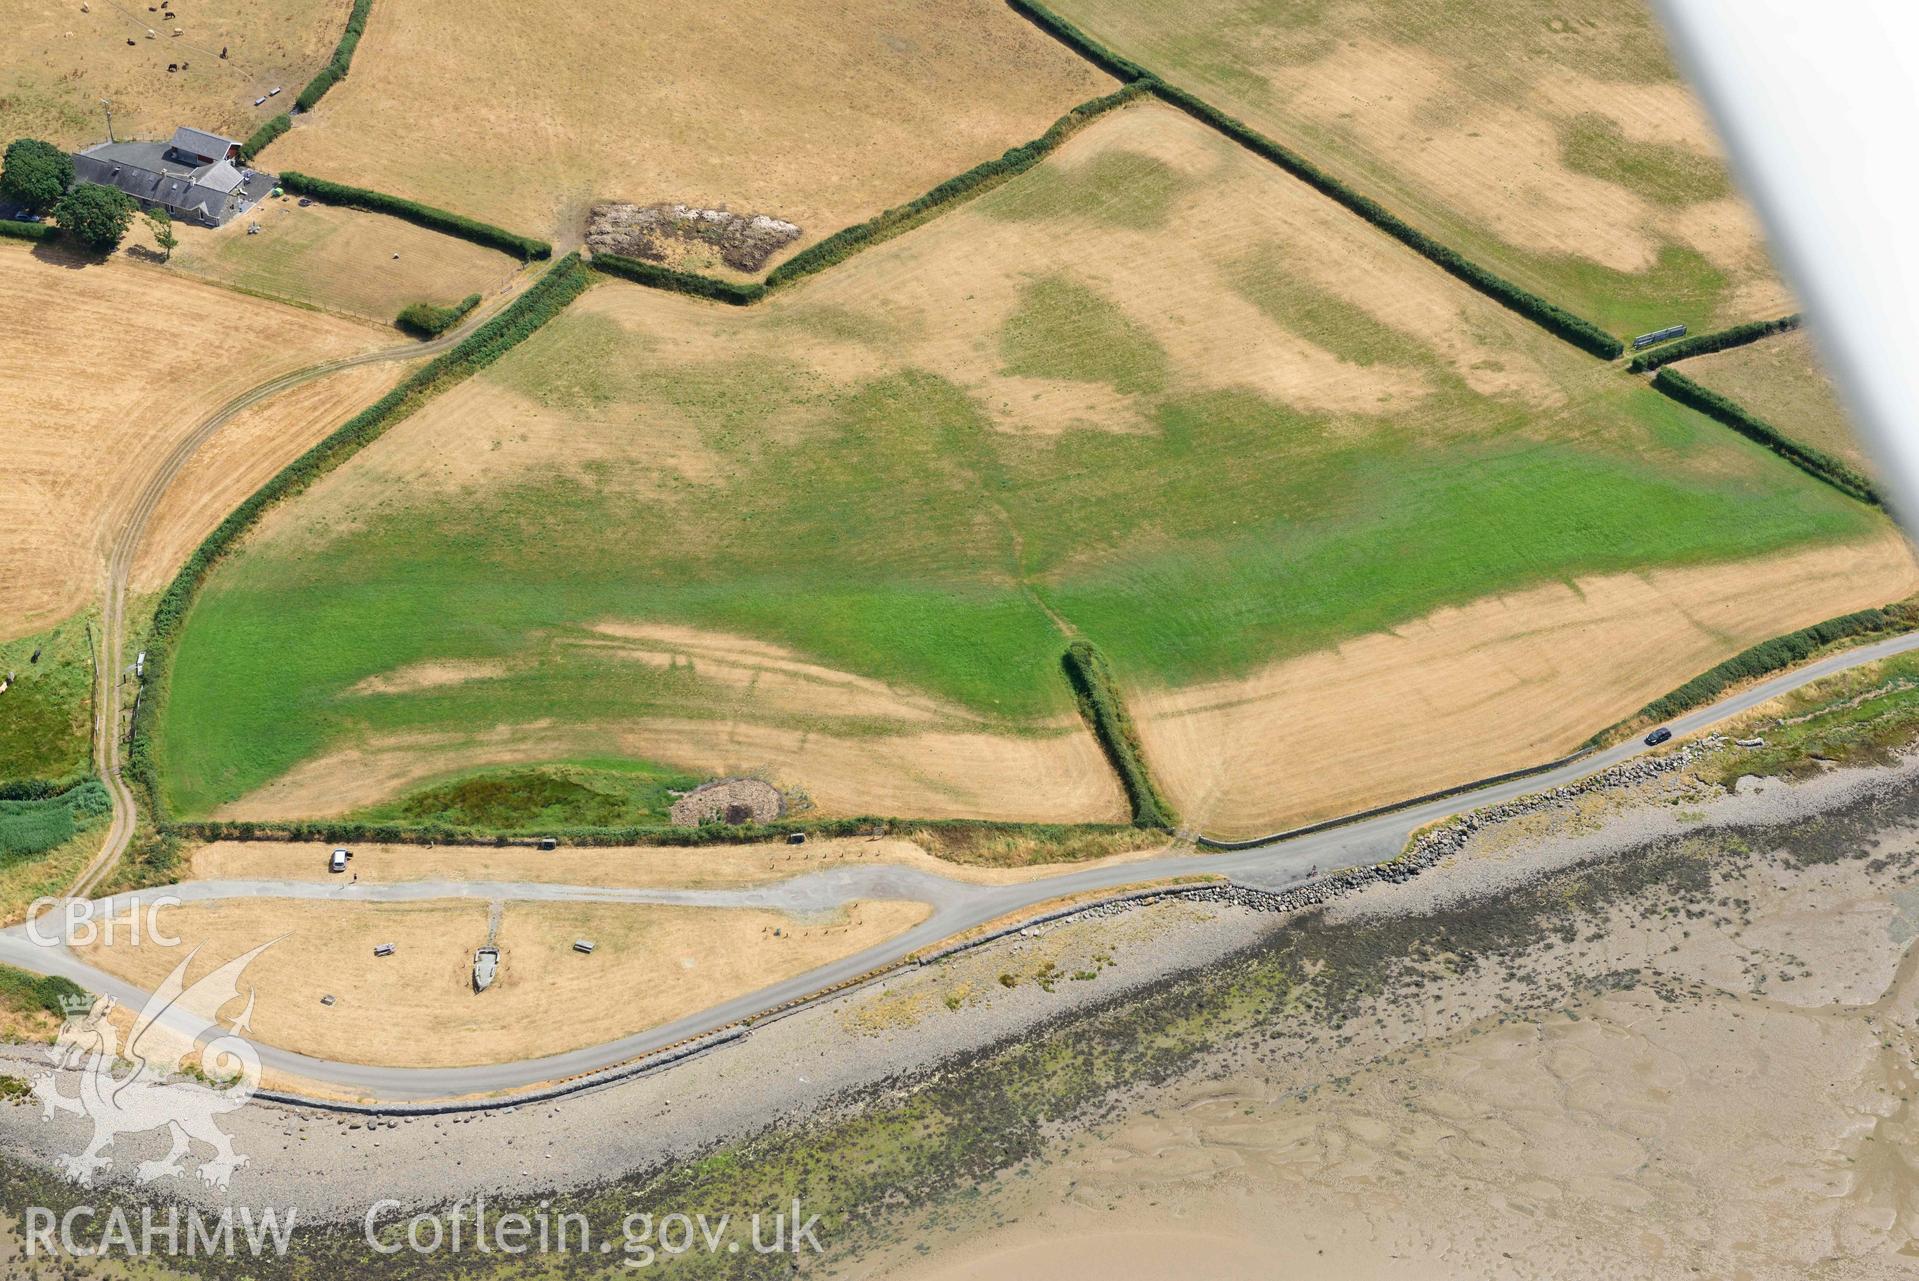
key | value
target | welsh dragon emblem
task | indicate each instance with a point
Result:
(147, 1087)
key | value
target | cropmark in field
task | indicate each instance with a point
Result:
(1319, 504)
(819, 114)
(1555, 145)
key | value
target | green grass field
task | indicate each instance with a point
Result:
(44, 713)
(1535, 141)
(830, 474)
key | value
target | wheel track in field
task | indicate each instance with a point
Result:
(110, 687)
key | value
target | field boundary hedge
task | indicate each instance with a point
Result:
(28, 230)
(680, 282)
(1815, 462)
(1718, 340)
(1577, 330)
(257, 140)
(548, 296)
(982, 177)
(452, 224)
(1764, 659)
(40, 789)
(1098, 696)
(342, 60)
(705, 834)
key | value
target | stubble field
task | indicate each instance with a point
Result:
(1153, 392)
(124, 360)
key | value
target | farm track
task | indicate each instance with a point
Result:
(108, 712)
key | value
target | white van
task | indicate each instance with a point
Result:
(338, 862)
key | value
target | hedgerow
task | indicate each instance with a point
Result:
(428, 320)
(1771, 656)
(1817, 462)
(844, 243)
(257, 141)
(28, 230)
(1098, 695)
(480, 233)
(342, 59)
(704, 834)
(1718, 340)
(547, 298)
(684, 282)
(1087, 47)
(1574, 329)
(38, 789)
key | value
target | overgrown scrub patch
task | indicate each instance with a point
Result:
(1867, 716)
(480, 233)
(22, 992)
(428, 320)
(610, 794)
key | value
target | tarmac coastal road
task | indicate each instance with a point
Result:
(957, 906)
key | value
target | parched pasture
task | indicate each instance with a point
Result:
(1556, 146)
(1782, 380)
(57, 62)
(1153, 392)
(117, 362)
(340, 260)
(523, 114)
(417, 1007)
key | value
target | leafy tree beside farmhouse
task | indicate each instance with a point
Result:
(160, 223)
(96, 216)
(35, 174)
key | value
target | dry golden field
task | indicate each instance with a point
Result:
(1782, 380)
(1498, 684)
(1555, 145)
(340, 260)
(819, 113)
(417, 1008)
(61, 57)
(117, 362)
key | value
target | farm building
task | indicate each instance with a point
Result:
(194, 176)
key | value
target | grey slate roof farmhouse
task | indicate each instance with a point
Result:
(194, 176)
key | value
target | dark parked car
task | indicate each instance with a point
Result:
(1658, 736)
